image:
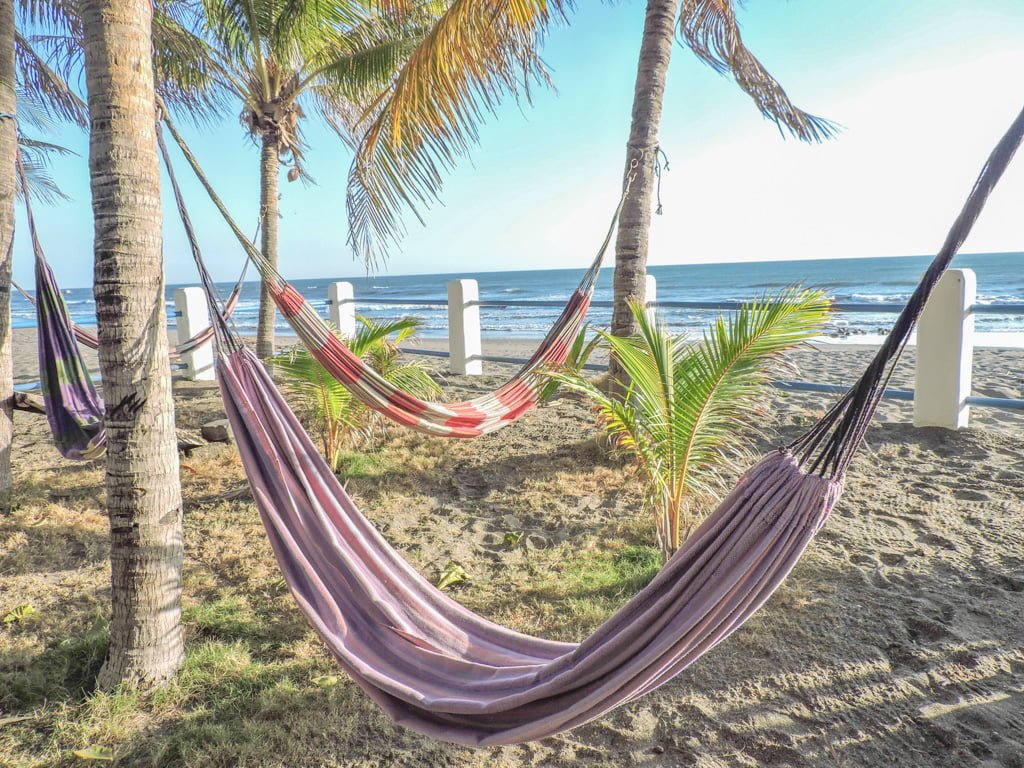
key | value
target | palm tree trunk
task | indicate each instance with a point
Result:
(635, 221)
(143, 490)
(8, 151)
(269, 170)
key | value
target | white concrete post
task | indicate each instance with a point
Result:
(464, 346)
(193, 316)
(651, 293)
(341, 308)
(945, 353)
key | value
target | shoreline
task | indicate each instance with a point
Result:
(997, 372)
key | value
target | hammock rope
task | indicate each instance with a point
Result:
(436, 667)
(90, 340)
(466, 419)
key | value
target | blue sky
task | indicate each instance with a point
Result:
(923, 90)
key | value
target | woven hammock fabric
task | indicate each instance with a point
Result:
(440, 669)
(74, 409)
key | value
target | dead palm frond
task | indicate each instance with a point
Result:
(709, 28)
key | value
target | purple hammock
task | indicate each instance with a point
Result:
(438, 668)
(74, 409)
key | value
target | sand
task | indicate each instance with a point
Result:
(897, 640)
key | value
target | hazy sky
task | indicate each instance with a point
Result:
(923, 89)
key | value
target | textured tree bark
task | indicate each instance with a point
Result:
(8, 151)
(143, 491)
(635, 221)
(269, 201)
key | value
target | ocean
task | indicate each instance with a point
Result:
(888, 279)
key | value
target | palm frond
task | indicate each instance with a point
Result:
(186, 66)
(43, 93)
(721, 380)
(374, 333)
(35, 156)
(414, 379)
(710, 29)
(189, 75)
(477, 53)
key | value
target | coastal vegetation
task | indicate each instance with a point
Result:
(342, 422)
(690, 407)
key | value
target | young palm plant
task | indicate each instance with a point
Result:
(337, 414)
(582, 348)
(689, 405)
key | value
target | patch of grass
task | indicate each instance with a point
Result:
(361, 465)
(65, 670)
(615, 574)
(588, 586)
(229, 617)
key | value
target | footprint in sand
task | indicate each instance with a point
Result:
(971, 494)
(926, 629)
(936, 541)
(1008, 583)
(862, 559)
(892, 558)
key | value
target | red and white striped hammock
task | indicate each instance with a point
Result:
(466, 419)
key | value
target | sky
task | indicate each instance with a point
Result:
(922, 88)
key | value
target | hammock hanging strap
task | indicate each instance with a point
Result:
(828, 448)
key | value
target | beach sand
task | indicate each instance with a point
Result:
(898, 639)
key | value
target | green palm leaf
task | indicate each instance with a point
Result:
(689, 405)
(336, 414)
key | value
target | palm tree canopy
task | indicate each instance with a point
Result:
(281, 59)
(478, 53)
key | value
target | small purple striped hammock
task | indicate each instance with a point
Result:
(439, 669)
(74, 409)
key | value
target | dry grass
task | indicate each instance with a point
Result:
(257, 687)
